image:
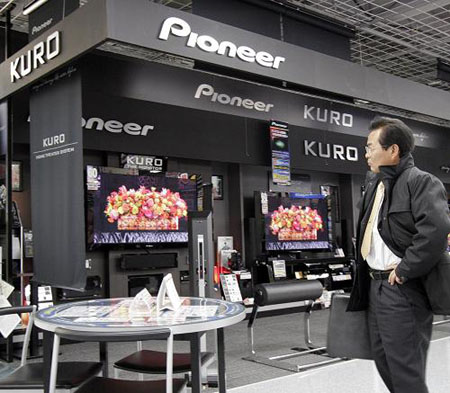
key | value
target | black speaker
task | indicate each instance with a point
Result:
(148, 261)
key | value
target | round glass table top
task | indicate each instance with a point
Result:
(119, 314)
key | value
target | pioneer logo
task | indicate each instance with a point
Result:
(327, 150)
(116, 127)
(180, 28)
(37, 29)
(326, 116)
(225, 99)
(40, 54)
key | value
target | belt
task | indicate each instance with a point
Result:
(379, 274)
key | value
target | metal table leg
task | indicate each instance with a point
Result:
(103, 346)
(48, 346)
(221, 361)
(196, 362)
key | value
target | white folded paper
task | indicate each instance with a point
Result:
(7, 322)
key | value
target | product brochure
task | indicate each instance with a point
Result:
(7, 322)
(167, 288)
(142, 305)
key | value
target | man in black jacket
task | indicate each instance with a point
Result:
(402, 233)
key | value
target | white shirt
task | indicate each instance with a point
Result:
(380, 256)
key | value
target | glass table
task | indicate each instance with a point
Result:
(193, 318)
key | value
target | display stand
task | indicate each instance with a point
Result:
(201, 255)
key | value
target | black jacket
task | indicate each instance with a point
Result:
(414, 222)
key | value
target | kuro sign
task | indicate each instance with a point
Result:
(57, 196)
(329, 150)
(152, 164)
(40, 54)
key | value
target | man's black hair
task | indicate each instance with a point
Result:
(393, 132)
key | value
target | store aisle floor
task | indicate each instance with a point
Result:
(355, 376)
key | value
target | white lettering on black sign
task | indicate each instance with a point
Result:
(116, 127)
(40, 54)
(149, 163)
(54, 140)
(225, 99)
(327, 116)
(327, 150)
(180, 28)
(37, 29)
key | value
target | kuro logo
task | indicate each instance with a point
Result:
(326, 116)
(54, 140)
(327, 150)
(40, 54)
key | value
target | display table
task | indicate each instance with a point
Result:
(196, 315)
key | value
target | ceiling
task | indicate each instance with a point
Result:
(401, 37)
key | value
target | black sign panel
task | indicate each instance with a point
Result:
(48, 15)
(198, 90)
(153, 164)
(57, 199)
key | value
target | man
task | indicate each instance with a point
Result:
(402, 233)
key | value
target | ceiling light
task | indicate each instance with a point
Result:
(33, 6)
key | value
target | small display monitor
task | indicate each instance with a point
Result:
(297, 222)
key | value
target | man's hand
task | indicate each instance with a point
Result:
(393, 278)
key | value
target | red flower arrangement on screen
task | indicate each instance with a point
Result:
(296, 223)
(145, 209)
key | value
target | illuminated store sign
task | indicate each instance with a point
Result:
(180, 28)
(40, 54)
(328, 150)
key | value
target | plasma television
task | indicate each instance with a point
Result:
(296, 222)
(129, 206)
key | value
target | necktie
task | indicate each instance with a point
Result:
(367, 239)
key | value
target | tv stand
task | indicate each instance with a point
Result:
(333, 272)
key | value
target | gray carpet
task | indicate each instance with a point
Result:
(273, 335)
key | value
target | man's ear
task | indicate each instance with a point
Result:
(395, 151)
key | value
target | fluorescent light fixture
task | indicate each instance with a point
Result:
(360, 101)
(33, 6)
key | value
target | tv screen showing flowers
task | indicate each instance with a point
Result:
(128, 206)
(298, 223)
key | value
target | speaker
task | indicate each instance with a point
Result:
(148, 261)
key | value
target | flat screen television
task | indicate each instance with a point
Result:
(297, 222)
(129, 206)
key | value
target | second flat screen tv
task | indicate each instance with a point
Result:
(296, 223)
(128, 206)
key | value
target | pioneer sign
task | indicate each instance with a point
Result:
(180, 28)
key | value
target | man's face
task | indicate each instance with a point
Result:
(376, 155)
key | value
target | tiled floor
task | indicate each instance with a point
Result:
(355, 376)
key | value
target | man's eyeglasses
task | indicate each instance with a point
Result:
(371, 149)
